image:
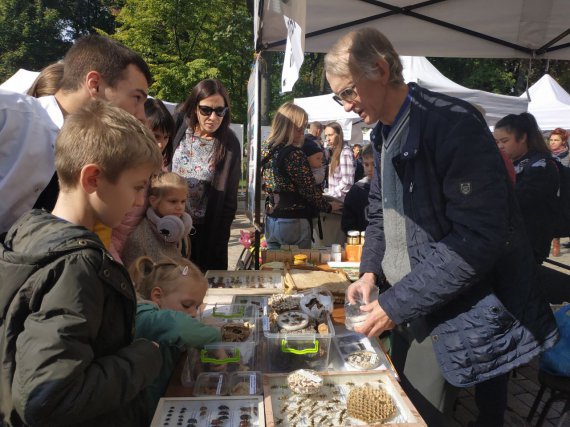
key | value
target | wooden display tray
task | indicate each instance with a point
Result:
(237, 406)
(281, 403)
(245, 282)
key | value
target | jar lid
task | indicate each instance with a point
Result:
(300, 257)
(362, 233)
(353, 233)
(335, 247)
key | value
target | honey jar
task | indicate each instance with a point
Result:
(353, 237)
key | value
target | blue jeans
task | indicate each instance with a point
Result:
(287, 231)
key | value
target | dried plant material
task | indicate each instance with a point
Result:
(369, 404)
(304, 381)
(235, 333)
(363, 360)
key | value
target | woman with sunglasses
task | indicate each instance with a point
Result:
(207, 154)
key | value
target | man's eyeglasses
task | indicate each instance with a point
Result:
(207, 111)
(348, 94)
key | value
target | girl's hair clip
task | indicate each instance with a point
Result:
(184, 271)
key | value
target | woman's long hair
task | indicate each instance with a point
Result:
(189, 108)
(288, 118)
(521, 125)
(337, 146)
(159, 118)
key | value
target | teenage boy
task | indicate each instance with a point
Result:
(355, 208)
(95, 67)
(67, 309)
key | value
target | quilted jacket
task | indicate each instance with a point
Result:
(67, 343)
(473, 281)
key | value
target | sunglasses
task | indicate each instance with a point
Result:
(347, 95)
(207, 111)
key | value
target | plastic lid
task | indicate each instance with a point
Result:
(211, 384)
(245, 383)
(353, 233)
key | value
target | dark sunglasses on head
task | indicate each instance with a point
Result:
(207, 111)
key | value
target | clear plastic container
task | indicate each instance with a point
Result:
(246, 383)
(353, 315)
(228, 356)
(211, 384)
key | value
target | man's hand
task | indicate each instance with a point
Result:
(378, 321)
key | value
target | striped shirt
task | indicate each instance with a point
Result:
(343, 178)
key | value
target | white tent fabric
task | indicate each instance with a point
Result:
(549, 103)
(21, 81)
(454, 28)
(419, 70)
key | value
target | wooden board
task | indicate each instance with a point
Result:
(244, 282)
(173, 410)
(284, 408)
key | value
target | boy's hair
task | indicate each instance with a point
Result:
(104, 135)
(367, 151)
(97, 53)
(162, 183)
(146, 274)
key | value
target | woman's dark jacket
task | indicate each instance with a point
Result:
(536, 190)
(473, 278)
(222, 204)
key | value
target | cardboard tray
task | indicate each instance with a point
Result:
(244, 282)
(284, 408)
(181, 409)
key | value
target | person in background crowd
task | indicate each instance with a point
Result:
(208, 155)
(165, 229)
(341, 169)
(536, 187)
(315, 132)
(358, 167)
(28, 126)
(355, 208)
(67, 344)
(558, 144)
(446, 234)
(293, 196)
(170, 293)
(160, 122)
(48, 81)
(315, 156)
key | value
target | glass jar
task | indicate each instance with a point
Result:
(353, 237)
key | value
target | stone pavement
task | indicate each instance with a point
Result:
(523, 385)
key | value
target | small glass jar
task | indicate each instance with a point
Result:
(353, 237)
(336, 252)
(362, 235)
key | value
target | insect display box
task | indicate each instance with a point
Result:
(366, 398)
(356, 352)
(238, 325)
(226, 411)
(298, 331)
(244, 282)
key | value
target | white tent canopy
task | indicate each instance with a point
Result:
(21, 81)
(419, 70)
(453, 28)
(549, 103)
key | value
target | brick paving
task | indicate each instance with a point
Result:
(523, 385)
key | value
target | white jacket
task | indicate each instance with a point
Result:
(28, 128)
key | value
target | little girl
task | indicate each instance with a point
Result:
(170, 293)
(166, 226)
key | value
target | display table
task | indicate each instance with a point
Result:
(349, 393)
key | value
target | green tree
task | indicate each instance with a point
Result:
(30, 36)
(185, 41)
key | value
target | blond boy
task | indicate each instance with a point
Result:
(67, 322)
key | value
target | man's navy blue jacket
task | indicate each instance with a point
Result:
(474, 279)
